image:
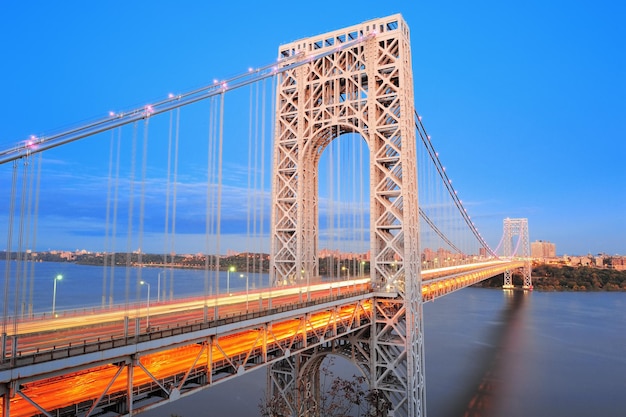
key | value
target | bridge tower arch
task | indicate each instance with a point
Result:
(519, 228)
(357, 79)
(296, 382)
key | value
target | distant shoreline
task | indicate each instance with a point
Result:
(562, 278)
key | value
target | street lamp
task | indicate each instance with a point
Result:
(147, 304)
(241, 276)
(54, 292)
(343, 268)
(230, 269)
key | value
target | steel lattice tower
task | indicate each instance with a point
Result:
(359, 79)
(517, 227)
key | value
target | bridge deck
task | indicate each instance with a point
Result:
(189, 346)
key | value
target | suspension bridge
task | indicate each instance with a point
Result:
(318, 177)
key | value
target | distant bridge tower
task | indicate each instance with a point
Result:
(358, 80)
(519, 228)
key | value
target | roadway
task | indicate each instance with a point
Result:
(34, 335)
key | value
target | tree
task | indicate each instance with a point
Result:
(341, 398)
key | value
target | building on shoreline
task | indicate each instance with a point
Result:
(542, 250)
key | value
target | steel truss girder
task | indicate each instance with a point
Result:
(519, 228)
(202, 359)
(366, 89)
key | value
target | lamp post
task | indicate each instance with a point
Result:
(230, 269)
(54, 292)
(343, 268)
(241, 276)
(147, 304)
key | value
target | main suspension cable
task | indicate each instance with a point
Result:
(447, 182)
(38, 144)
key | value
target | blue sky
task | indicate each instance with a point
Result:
(525, 101)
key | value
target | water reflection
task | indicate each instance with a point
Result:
(506, 334)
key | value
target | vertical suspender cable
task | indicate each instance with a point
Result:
(421, 178)
(448, 219)
(27, 234)
(142, 201)
(107, 222)
(249, 200)
(255, 169)
(441, 216)
(219, 181)
(345, 206)
(7, 265)
(207, 217)
(331, 209)
(353, 206)
(431, 203)
(420, 196)
(129, 225)
(35, 224)
(429, 200)
(168, 187)
(361, 206)
(261, 191)
(340, 240)
(434, 209)
(174, 204)
(209, 261)
(116, 189)
(20, 241)
(212, 190)
(256, 172)
(273, 87)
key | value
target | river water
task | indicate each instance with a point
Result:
(489, 353)
(497, 353)
(82, 285)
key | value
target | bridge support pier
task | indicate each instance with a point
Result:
(289, 392)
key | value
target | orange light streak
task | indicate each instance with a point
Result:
(54, 393)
